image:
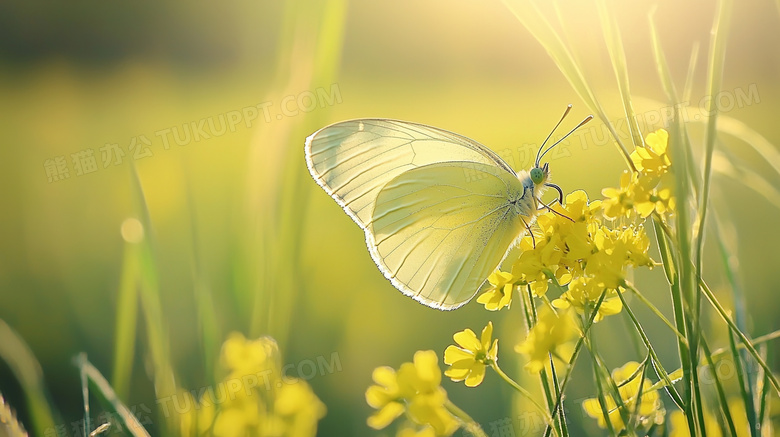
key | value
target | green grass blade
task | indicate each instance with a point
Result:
(667, 256)
(209, 331)
(750, 179)
(20, 359)
(742, 337)
(577, 347)
(755, 140)
(764, 402)
(756, 341)
(535, 22)
(602, 371)
(543, 378)
(680, 160)
(671, 93)
(657, 366)
(320, 30)
(557, 392)
(722, 401)
(720, 30)
(660, 61)
(156, 329)
(640, 392)
(109, 397)
(744, 391)
(683, 291)
(655, 311)
(126, 316)
(688, 88)
(617, 55)
(600, 388)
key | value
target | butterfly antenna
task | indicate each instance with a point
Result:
(587, 119)
(565, 113)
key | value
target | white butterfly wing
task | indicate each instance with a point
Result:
(353, 160)
(438, 231)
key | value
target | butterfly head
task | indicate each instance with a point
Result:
(540, 174)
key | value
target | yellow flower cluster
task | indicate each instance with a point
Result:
(416, 390)
(253, 397)
(550, 331)
(648, 192)
(576, 249)
(649, 410)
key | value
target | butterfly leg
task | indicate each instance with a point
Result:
(557, 188)
(530, 232)
(547, 207)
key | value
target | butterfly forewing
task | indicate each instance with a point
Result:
(353, 160)
(438, 231)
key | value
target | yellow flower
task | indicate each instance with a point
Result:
(652, 159)
(579, 209)
(416, 389)
(499, 294)
(636, 244)
(536, 263)
(616, 250)
(627, 378)
(299, 408)
(586, 291)
(678, 425)
(239, 415)
(277, 408)
(641, 194)
(386, 397)
(550, 332)
(467, 360)
(241, 357)
(619, 202)
(648, 198)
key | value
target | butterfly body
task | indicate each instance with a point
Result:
(439, 210)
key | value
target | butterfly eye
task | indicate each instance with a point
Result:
(537, 175)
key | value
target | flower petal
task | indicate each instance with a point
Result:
(386, 415)
(454, 353)
(476, 376)
(467, 340)
(487, 335)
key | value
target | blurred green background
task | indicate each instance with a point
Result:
(238, 214)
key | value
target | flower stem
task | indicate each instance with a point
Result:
(520, 389)
(655, 311)
(468, 423)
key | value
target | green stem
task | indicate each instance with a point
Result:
(656, 362)
(758, 340)
(573, 360)
(655, 311)
(724, 315)
(521, 390)
(468, 423)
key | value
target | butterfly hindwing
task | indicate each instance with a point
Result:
(439, 230)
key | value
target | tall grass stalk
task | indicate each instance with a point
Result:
(126, 317)
(91, 377)
(149, 292)
(314, 33)
(20, 359)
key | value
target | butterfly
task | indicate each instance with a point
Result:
(440, 211)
